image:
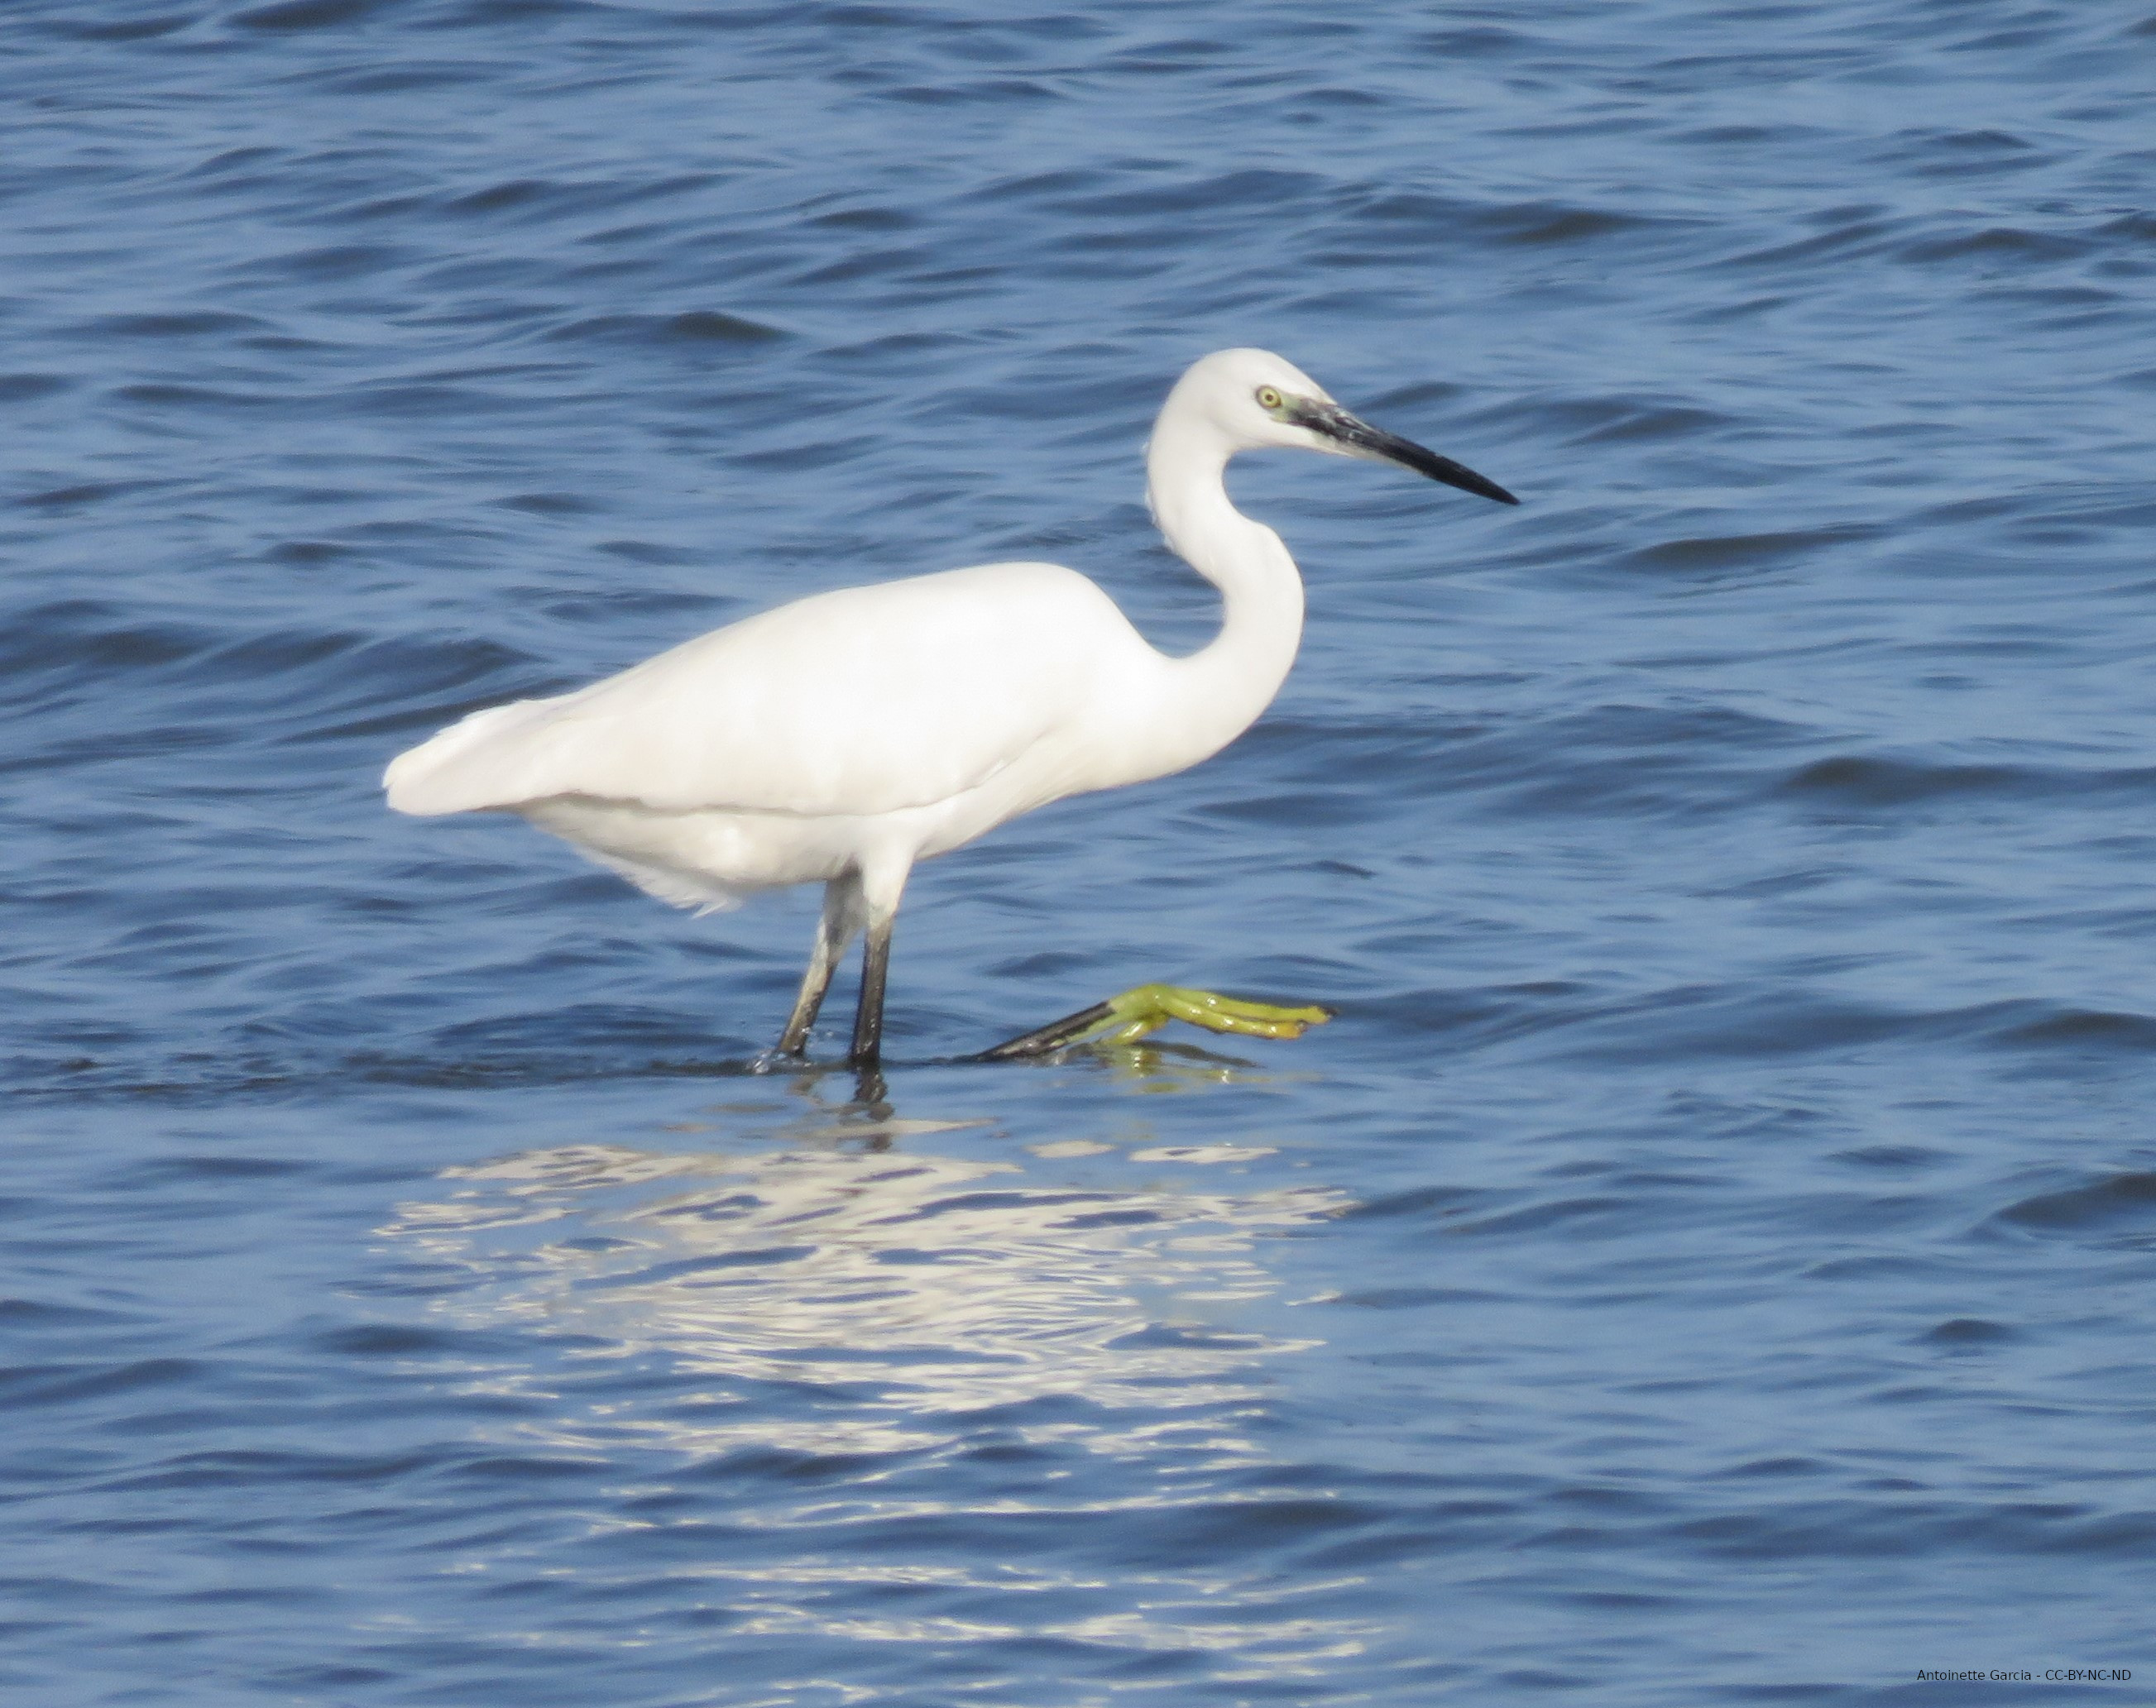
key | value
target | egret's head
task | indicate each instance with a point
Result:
(1254, 399)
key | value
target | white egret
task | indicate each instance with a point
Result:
(841, 738)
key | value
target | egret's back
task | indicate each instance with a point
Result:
(864, 701)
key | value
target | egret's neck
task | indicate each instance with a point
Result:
(1217, 693)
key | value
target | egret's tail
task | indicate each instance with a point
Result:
(459, 770)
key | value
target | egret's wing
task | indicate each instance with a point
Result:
(863, 701)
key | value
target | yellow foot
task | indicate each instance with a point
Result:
(1126, 1018)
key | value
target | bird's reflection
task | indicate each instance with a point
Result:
(886, 1280)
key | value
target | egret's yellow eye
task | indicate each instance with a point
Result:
(1268, 398)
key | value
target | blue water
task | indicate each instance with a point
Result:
(1711, 1258)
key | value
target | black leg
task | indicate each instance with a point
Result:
(794, 1039)
(1050, 1038)
(868, 1018)
(840, 920)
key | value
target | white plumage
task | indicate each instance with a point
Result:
(845, 736)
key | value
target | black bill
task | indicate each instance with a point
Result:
(1359, 439)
